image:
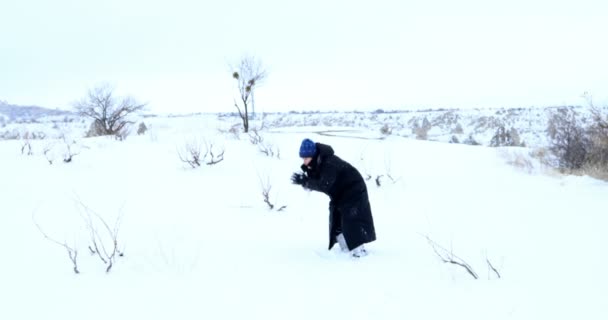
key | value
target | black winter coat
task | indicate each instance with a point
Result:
(349, 209)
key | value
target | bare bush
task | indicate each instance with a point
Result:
(234, 131)
(255, 137)
(518, 159)
(191, 154)
(470, 140)
(71, 250)
(266, 187)
(26, 148)
(214, 158)
(386, 130)
(103, 246)
(448, 256)
(569, 141)
(70, 153)
(142, 129)
(597, 161)
(269, 150)
(421, 130)
(10, 135)
(109, 113)
(123, 133)
(457, 129)
(505, 138)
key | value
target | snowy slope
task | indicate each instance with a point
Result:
(202, 244)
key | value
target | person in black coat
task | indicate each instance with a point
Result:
(351, 224)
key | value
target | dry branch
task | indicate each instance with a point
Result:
(492, 268)
(448, 256)
(72, 253)
(214, 158)
(266, 187)
(106, 255)
(191, 154)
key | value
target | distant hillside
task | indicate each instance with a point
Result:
(471, 126)
(15, 112)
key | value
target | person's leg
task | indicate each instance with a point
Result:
(359, 252)
(342, 242)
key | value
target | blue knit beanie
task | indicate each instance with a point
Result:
(308, 148)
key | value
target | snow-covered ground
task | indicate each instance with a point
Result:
(202, 243)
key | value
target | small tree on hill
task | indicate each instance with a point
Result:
(569, 140)
(249, 73)
(109, 113)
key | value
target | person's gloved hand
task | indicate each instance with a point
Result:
(304, 168)
(298, 178)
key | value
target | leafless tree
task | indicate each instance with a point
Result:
(109, 113)
(72, 252)
(249, 73)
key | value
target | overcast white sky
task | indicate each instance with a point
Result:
(320, 55)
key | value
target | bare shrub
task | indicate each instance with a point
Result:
(518, 159)
(386, 129)
(26, 147)
(69, 153)
(597, 160)
(191, 154)
(142, 129)
(421, 130)
(214, 158)
(269, 150)
(47, 153)
(470, 140)
(102, 244)
(448, 256)
(505, 138)
(123, 133)
(266, 186)
(569, 141)
(457, 129)
(71, 250)
(378, 182)
(109, 113)
(234, 131)
(454, 139)
(10, 135)
(255, 137)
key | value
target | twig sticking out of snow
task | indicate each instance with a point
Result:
(448, 256)
(72, 252)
